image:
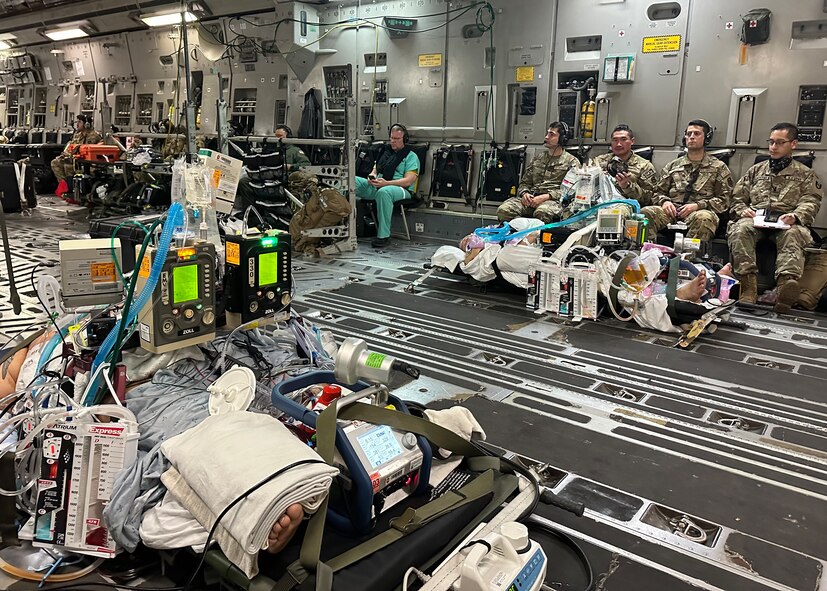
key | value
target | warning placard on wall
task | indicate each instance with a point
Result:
(662, 44)
(430, 60)
(525, 74)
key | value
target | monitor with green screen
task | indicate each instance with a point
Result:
(268, 268)
(184, 283)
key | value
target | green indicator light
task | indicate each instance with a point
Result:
(269, 241)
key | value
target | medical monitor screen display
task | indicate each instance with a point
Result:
(379, 445)
(184, 283)
(268, 268)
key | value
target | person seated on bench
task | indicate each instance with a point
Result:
(64, 165)
(294, 156)
(784, 189)
(539, 192)
(634, 176)
(394, 178)
(694, 188)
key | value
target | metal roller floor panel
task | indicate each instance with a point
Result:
(729, 436)
(701, 468)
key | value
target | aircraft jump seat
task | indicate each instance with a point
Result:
(765, 250)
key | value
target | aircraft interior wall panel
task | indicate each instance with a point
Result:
(421, 87)
(650, 102)
(259, 78)
(713, 71)
(110, 55)
(518, 28)
(147, 48)
(713, 68)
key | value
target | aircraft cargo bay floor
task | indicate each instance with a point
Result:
(726, 441)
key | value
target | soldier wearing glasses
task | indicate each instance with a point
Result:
(783, 188)
(694, 188)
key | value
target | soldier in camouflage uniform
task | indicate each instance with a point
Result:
(539, 191)
(638, 182)
(694, 188)
(783, 186)
(64, 165)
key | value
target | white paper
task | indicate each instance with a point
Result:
(759, 222)
(227, 172)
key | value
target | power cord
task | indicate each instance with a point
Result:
(533, 523)
(37, 293)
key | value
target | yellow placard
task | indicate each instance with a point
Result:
(233, 252)
(525, 73)
(145, 266)
(430, 60)
(662, 44)
(103, 273)
(51, 108)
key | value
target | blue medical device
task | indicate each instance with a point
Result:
(374, 459)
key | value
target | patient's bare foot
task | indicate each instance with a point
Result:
(727, 271)
(693, 290)
(284, 528)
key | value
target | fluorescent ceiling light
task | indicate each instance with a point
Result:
(64, 34)
(6, 41)
(167, 19)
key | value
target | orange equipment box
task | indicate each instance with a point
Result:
(99, 152)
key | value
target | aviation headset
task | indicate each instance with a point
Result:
(563, 132)
(708, 131)
(286, 129)
(405, 137)
(87, 119)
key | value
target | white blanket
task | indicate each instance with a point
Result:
(217, 461)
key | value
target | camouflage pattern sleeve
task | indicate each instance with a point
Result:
(809, 201)
(527, 181)
(741, 194)
(663, 188)
(643, 188)
(723, 190)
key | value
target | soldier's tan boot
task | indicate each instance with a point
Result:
(749, 288)
(788, 292)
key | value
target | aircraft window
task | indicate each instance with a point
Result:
(663, 11)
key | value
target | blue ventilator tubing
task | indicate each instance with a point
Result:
(501, 234)
(175, 217)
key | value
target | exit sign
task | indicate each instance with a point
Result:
(398, 28)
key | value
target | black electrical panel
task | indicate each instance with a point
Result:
(528, 101)
(567, 108)
(812, 103)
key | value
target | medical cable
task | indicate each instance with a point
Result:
(130, 311)
(501, 233)
(26, 575)
(533, 523)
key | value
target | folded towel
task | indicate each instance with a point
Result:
(218, 460)
(458, 419)
(169, 525)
